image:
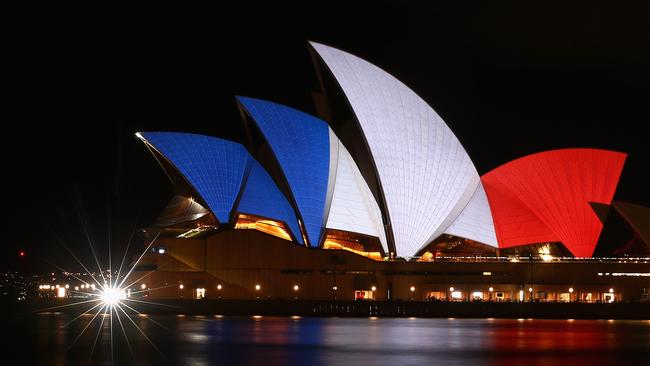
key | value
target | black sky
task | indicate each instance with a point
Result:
(508, 80)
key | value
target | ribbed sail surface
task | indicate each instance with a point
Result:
(553, 189)
(263, 198)
(300, 143)
(426, 176)
(214, 167)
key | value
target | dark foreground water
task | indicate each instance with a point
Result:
(46, 338)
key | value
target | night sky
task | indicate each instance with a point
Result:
(508, 80)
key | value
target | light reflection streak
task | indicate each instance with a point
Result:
(141, 332)
(82, 218)
(86, 327)
(139, 259)
(126, 337)
(145, 316)
(99, 330)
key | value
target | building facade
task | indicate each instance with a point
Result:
(378, 199)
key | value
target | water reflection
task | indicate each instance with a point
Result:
(43, 339)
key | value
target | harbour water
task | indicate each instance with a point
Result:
(50, 339)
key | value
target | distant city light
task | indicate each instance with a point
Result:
(219, 287)
(412, 288)
(181, 286)
(161, 250)
(296, 288)
(571, 289)
(491, 289)
(67, 286)
(456, 295)
(451, 289)
(373, 288)
(257, 287)
(530, 289)
(611, 290)
(335, 288)
(60, 292)
(21, 253)
(143, 286)
(76, 288)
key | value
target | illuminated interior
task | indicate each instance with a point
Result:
(331, 244)
(447, 245)
(364, 245)
(267, 226)
(546, 251)
(364, 295)
(426, 257)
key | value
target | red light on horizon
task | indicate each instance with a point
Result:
(21, 253)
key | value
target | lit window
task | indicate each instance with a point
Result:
(356, 248)
(264, 225)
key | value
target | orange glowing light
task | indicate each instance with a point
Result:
(331, 244)
(266, 226)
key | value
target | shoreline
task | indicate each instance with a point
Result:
(339, 308)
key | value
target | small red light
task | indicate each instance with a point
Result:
(21, 253)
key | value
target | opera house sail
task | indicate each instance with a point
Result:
(376, 198)
(426, 176)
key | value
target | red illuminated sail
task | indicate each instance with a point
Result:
(545, 197)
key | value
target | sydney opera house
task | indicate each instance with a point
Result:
(376, 198)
